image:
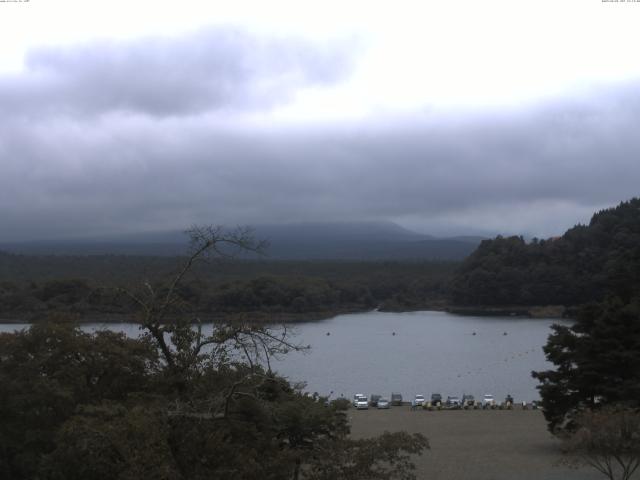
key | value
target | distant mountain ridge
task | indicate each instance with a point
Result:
(296, 241)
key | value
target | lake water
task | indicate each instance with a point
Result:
(430, 352)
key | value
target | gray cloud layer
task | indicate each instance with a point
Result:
(123, 137)
(210, 70)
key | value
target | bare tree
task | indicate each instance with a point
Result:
(607, 440)
(178, 334)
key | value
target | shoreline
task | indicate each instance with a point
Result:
(529, 311)
(261, 317)
(255, 317)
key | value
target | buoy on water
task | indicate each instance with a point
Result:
(393, 333)
(328, 334)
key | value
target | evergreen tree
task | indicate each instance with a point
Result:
(597, 362)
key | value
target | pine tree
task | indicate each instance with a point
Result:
(597, 362)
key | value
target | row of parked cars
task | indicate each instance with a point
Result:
(467, 401)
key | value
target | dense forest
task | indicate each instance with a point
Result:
(91, 286)
(585, 264)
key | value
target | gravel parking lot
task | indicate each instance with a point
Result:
(476, 444)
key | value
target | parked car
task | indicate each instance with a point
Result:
(357, 397)
(373, 400)
(488, 401)
(507, 404)
(361, 402)
(383, 403)
(468, 401)
(418, 401)
(396, 399)
(436, 399)
(452, 402)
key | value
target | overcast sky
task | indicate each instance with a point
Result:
(445, 117)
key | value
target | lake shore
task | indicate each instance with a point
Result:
(261, 317)
(475, 444)
(253, 317)
(530, 311)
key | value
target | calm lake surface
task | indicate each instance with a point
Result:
(430, 352)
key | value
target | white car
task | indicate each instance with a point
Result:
(488, 401)
(419, 400)
(361, 402)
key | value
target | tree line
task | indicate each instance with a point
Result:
(585, 264)
(295, 288)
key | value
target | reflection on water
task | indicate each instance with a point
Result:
(410, 353)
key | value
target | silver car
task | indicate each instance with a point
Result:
(384, 403)
(452, 402)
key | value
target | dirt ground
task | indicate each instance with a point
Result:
(476, 444)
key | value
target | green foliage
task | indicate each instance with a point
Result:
(65, 291)
(47, 371)
(110, 441)
(585, 264)
(76, 406)
(597, 362)
(88, 286)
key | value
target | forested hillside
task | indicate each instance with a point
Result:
(585, 264)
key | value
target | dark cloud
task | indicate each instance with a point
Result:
(98, 154)
(212, 69)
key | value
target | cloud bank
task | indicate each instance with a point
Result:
(161, 133)
(208, 70)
